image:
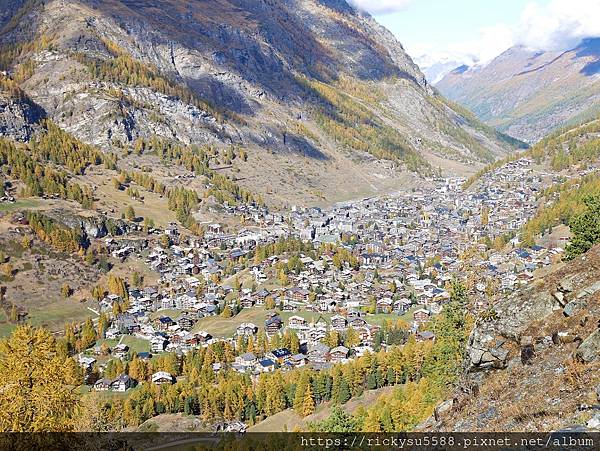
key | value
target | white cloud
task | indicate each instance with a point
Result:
(558, 25)
(380, 6)
(489, 43)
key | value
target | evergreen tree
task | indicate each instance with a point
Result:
(344, 394)
(338, 421)
(585, 228)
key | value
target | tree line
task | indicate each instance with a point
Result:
(45, 163)
(62, 238)
(38, 177)
(123, 69)
(563, 202)
(356, 127)
(197, 160)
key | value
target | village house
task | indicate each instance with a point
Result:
(338, 322)
(119, 384)
(338, 354)
(421, 316)
(280, 355)
(246, 329)
(120, 351)
(317, 352)
(245, 362)
(273, 325)
(158, 344)
(186, 322)
(162, 377)
(266, 366)
(297, 322)
(164, 322)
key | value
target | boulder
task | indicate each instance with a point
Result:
(94, 227)
(501, 354)
(443, 410)
(561, 338)
(487, 357)
(594, 422)
(527, 354)
(573, 307)
(18, 117)
(589, 349)
(588, 291)
(560, 297)
(475, 355)
(526, 340)
(565, 286)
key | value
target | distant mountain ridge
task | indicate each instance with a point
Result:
(528, 93)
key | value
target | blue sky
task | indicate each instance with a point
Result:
(481, 29)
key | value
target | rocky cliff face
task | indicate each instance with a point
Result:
(533, 363)
(528, 94)
(8, 10)
(18, 117)
(251, 68)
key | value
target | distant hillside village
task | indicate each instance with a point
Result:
(313, 287)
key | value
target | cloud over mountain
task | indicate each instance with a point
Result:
(556, 26)
(560, 25)
(380, 6)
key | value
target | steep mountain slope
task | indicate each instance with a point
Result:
(528, 94)
(534, 360)
(326, 100)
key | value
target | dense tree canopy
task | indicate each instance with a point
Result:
(37, 385)
(585, 228)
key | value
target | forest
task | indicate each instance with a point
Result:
(425, 371)
(355, 127)
(563, 202)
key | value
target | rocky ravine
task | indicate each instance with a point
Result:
(533, 364)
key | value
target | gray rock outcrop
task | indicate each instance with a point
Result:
(589, 350)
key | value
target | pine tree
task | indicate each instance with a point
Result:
(94, 414)
(386, 420)
(138, 369)
(338, 421)
(298, 398)
(88, 335)
(294, 343)
(585, 228)
(372, 423)
(344, 393)
(275, 400)
(352, 338)
(98, 293)
(116, 285)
